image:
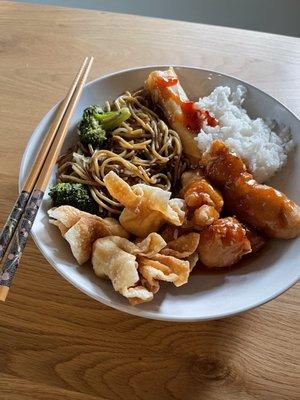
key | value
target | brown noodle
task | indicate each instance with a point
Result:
(142, 150)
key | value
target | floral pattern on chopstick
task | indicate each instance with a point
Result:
(15, 252)
(12, 222)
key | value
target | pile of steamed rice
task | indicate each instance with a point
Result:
(263, 151)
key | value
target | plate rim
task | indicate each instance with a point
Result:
(127, 308)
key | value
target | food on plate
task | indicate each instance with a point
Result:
(182, 114)
(204, 216)
(221, 116)
(142, 149)
(256, 240)
(223, 243)
(260, 206)
(197, 191)
(81, 229)
(135, 269)
(73, 194)
(264, 147)
(183, 246)
(203, 202)
(146, 207)
(158, 184)
(95, 123)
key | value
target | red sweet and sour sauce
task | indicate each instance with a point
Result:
(193, 117)
(167, 81)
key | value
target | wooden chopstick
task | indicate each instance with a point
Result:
(20, 204)
(22, 232)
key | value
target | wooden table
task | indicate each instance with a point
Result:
(55, 342)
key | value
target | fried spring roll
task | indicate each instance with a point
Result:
(183, 115)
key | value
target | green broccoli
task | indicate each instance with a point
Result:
(73, 194)
(94, 124)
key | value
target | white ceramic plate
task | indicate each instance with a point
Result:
(207, 296)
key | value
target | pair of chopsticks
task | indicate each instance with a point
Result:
(15, 232)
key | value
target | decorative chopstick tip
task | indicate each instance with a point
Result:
(3, 292)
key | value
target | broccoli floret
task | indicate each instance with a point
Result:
(92, 133)
(94, 124)
(91, 111)
(90, 130)
(112, 119)
(73, 194)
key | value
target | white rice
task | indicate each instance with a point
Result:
(263, 150)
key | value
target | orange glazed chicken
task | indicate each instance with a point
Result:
(266, 209)
(204, 203)
(223, 243)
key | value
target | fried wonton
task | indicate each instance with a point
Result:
(146, 207)
(115, 258)
(183, 246)
(135, 268)
(81, 229)
(163, 268)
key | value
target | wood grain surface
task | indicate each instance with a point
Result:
(55, 342)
